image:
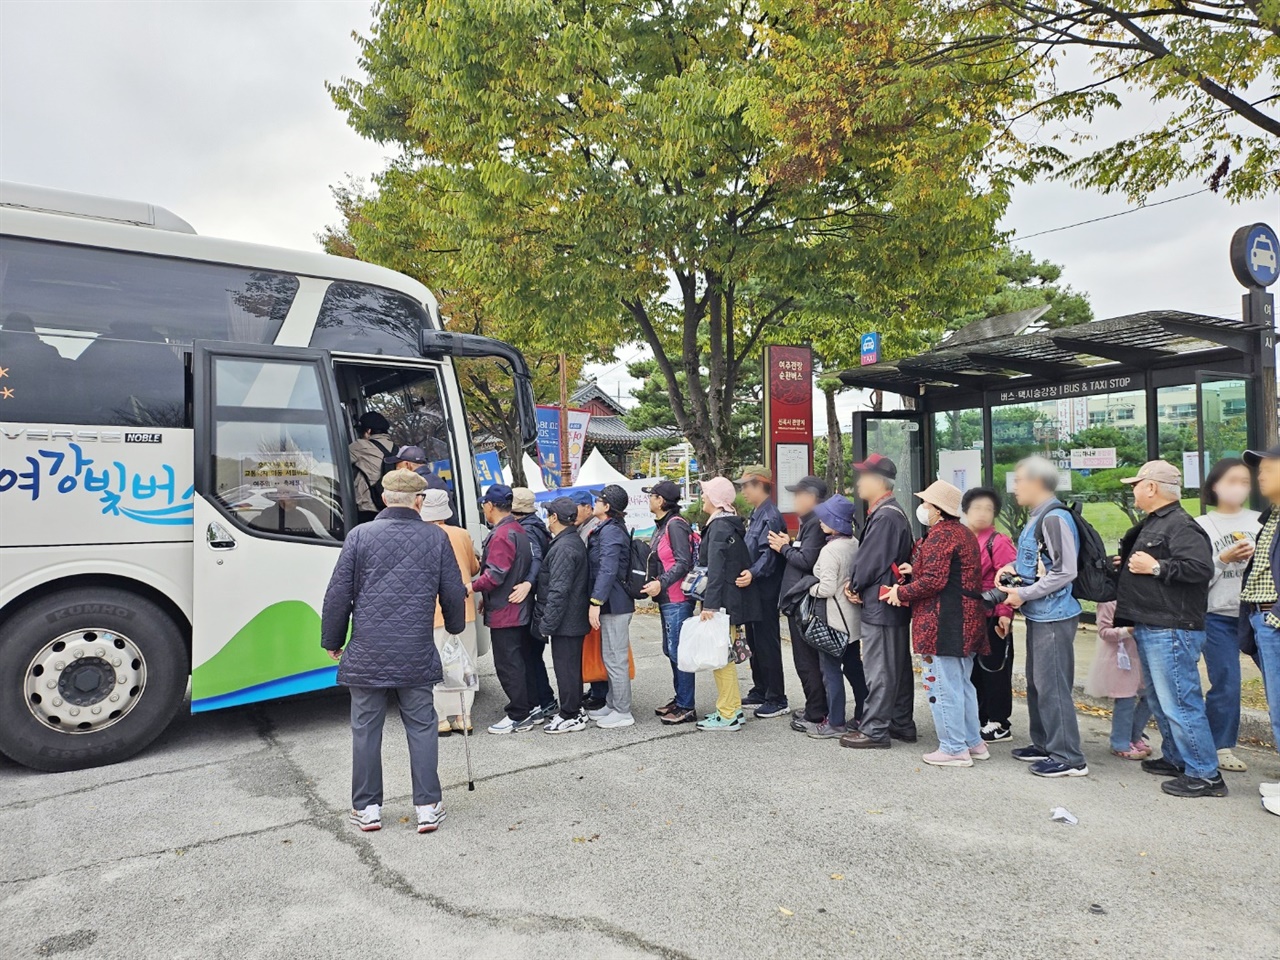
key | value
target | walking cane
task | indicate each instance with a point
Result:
(466, 743)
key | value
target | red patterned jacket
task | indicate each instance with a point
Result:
(948, 617)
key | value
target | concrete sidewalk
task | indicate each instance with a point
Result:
(228, 839)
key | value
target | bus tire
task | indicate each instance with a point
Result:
(88, 677)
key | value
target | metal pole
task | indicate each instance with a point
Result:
(566, 475)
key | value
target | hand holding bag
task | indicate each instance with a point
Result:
(593, 668)
(704, 644)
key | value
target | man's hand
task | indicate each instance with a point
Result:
(851, 595)
(1007, 568)
(744, 580)
(335, 654)
(593, 617)
(652, 588)
(1013, 598)
(708, 614)
(1237, 552)
(891, 598)
(1141, 563)
(520, 592)
(1002, 627)
(778, 541)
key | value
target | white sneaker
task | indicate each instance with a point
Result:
(615, 720)
(430, 816)
(567, 725)
(1271, 790)
(1271, 805)
(599, 714)
(507, 725)
(368, 819)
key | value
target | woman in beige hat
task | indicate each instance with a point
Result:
(948, 623)
(436, 509)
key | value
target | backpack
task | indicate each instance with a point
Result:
(637, 573)
(1096, 577)
(375, 484)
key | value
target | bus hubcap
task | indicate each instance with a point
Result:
(84, 681)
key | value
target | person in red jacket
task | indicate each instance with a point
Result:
(948, 623)
(993, 673)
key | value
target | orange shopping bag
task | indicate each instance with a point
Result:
(593, 670)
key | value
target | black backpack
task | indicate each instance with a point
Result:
(637, 573)
(1096, 576)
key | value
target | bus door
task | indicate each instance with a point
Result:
(273, 503)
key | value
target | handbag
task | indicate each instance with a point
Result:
(739, 649)
(694, 584)
(593, 668)
(820, 636)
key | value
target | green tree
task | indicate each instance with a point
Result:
(1210, 63)
(653, 409)
(1024, 282)
(654, 160)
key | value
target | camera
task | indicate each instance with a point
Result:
(1013, 581)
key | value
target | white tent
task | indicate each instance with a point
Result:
(533, 475)
(597, 472)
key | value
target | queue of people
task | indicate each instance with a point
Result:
(857, 602)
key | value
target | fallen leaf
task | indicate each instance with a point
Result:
(1142, 853)
(404, 819)
(785, 912)
(837, 876)
(875, 811)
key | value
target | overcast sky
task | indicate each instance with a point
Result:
(218, 111)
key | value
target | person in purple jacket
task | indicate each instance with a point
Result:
(504, 564)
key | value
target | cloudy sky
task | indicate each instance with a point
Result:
(219, 112)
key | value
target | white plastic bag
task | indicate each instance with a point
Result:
(704, 644)
(459, 671)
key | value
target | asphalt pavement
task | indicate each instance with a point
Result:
(228, 838)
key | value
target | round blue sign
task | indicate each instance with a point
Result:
(1255, 255)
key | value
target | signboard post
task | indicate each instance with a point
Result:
(1255, 260)
(788, 420)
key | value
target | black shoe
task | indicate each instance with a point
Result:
(1185, 786)
(1031, 754)
(1161, 767)
(904, 737)
(592, 703)
(995, 730)
(663, 711)
(769, 710)
(753, 699)
(678, 716)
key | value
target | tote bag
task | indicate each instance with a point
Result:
(593, 670)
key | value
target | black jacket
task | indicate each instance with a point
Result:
(384, 586)
(539, 538)
(799, 557)
(1179, 597)
(609, 553)
(886, 540)
(678, 532)
(724, 553)
(564, 588)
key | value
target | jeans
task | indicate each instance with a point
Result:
(1051, 705)
(418, 714)
(673, 617)
(835, 670)
(1222, 662)
(948, 681)
(1268, 639)
(615, 647)
(1129, 716)
(1171, 665)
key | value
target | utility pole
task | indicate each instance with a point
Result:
(1255, 260)
(566, 474)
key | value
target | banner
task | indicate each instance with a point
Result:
(488, 469)
(639, 518)
(788, 419)
(549, 446)
(577, 421)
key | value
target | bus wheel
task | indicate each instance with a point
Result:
(88, 677)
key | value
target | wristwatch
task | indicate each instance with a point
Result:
(1155, 569)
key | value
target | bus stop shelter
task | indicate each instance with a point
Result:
(1099, 398)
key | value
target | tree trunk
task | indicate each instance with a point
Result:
(835, 444)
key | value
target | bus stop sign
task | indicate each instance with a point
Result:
(1255, 255)
(870, 349)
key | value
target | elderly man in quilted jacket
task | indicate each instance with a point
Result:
(385, 587)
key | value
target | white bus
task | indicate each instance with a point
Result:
(174, 476)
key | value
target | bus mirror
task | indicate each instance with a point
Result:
(438, 344)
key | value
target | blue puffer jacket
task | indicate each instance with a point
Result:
(385, 586)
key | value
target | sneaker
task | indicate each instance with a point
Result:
(1032, 754)
(1132, 752)
(772, 708)
(801, 725)
(430, 816)
(1271, 805)
(1056, 768)
(1229, 762)
(1160, 767)
(825, 731)
(541, 715)
(753, 699)
(599, 713)
(561, 724)
(679, 715)
(592, 703)
(995, 730)
(1185, 786)
(444, 727)
(940, 759)
(714, 721)
(1270, 790)
(663, 711)
(368, 819)
(980, 752)
(507, 725)
(615, 719)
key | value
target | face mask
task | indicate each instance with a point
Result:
(1232, 495)
(922, 514)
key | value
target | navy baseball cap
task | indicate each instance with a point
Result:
(582, 498)
(500, 495)
(1255, 457)
(407, 454)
